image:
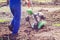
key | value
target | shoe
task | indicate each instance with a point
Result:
(10, 27)
(13, 36)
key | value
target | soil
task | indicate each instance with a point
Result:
(49, 32)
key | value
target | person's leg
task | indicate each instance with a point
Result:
(16, 11)
(17, 17)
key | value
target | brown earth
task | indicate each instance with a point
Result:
(49, 32)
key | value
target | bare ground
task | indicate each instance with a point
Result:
(49, 32)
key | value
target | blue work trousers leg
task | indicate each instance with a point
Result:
(16, 12)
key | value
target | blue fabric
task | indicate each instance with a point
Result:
(15, 7)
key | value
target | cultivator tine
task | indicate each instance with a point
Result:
(35, 18)
(28, 20)
(29, 23)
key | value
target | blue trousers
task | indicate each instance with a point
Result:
(16, 12)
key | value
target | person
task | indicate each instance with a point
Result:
(15, 7)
